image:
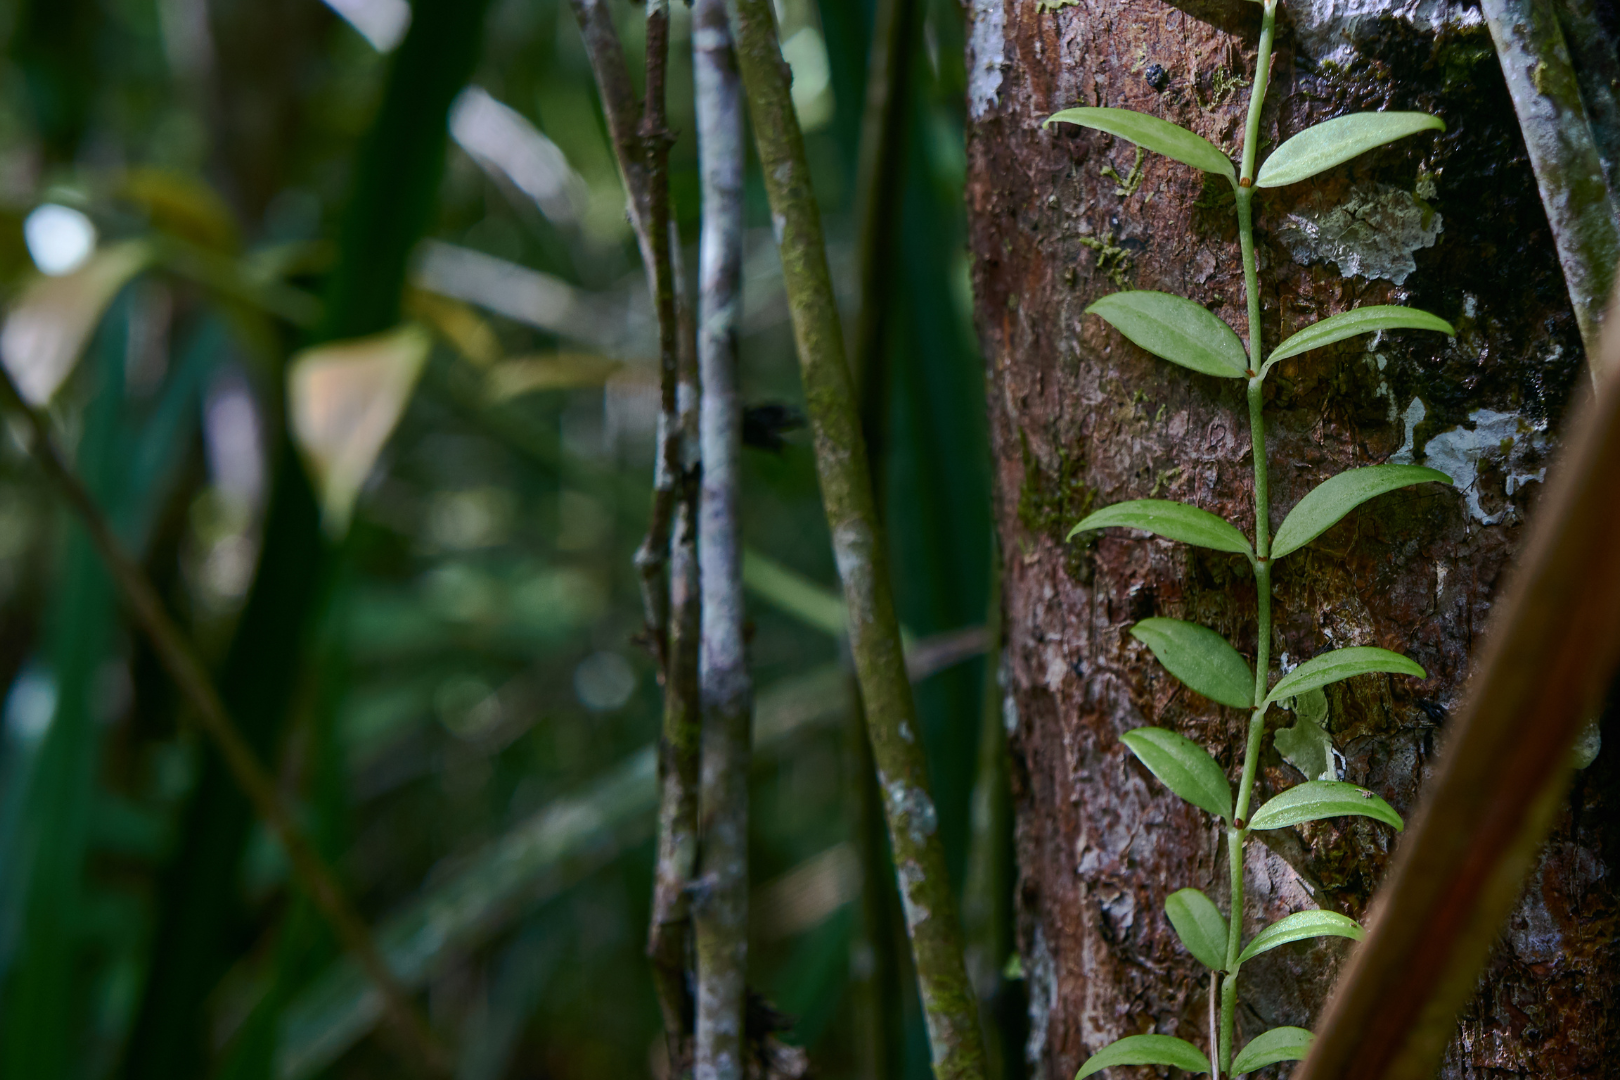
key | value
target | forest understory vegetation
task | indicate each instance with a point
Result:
(574, 539)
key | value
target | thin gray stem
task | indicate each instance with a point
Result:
(721, 914)
(858, 547)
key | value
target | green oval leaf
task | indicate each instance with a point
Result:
(1323, 799)
(1200, 926)
(1175, 329)
(1169, 519)
(1151, 133)
(1146, 1050)
(1319, 148)
(1330, 667)
(1336, 496)
(1278, 1044)
(1184, 767)
(1363, 320)
(1298, 927)
(1200, 658)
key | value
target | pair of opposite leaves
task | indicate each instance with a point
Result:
(1202, 929)
(1189, 334)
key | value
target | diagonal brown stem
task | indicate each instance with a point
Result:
(179, 659)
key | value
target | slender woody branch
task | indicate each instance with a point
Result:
(641, 142)
(180, 660)
(846, 489)
(641, 148)
(721, 915)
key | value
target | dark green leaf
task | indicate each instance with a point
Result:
(1336, 141)
(1278, 1044)
(1298, 927)
(1341, 664)
(1200, 926)
(1175, 329)
(1336, 496)
(1363, 320)
(1147, 1050)
(1171, 520)
(1201, 658)
(1184, 766)
(1323, 799)
(1151, 133)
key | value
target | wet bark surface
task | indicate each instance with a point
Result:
(1082, 419)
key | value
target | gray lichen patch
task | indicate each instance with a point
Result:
(1329, 29)
(1371, 234)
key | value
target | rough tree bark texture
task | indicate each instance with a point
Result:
(1081, 419)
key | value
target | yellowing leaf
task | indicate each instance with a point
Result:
(52, 319)
(462, 328)
(343, 401)
(559, 371)
(183, 205)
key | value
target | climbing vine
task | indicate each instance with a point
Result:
(1186, 333)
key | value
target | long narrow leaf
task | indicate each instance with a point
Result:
(1151, 133)
(1200, 926)
(1146, 1050)
(1300, 926)
(1185, 768)
(1319, 148)
(1201, 658)
(1335, 497)
(1341, 664)
(1171, 520)
(1363, 320)
(1278, 1044)
(1174, 328)
(1320, 799)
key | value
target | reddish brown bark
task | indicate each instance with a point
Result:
(1081, 418)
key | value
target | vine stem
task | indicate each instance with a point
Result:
(1237, 833)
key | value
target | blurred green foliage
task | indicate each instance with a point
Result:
(450, 693)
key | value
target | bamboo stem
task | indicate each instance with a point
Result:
(720, 916)
(180, 660)
(846, 487)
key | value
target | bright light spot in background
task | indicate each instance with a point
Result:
(381, 22)
(501, 139)
(232, 441)
(806, 54)
(31, 705)
(59, 238)
(604, 681)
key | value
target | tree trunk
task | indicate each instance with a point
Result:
(1082, 419)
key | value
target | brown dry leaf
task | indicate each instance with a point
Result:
(344, 400)
(554, 371)
(50, 322)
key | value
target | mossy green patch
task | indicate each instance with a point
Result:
(1050, 502)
